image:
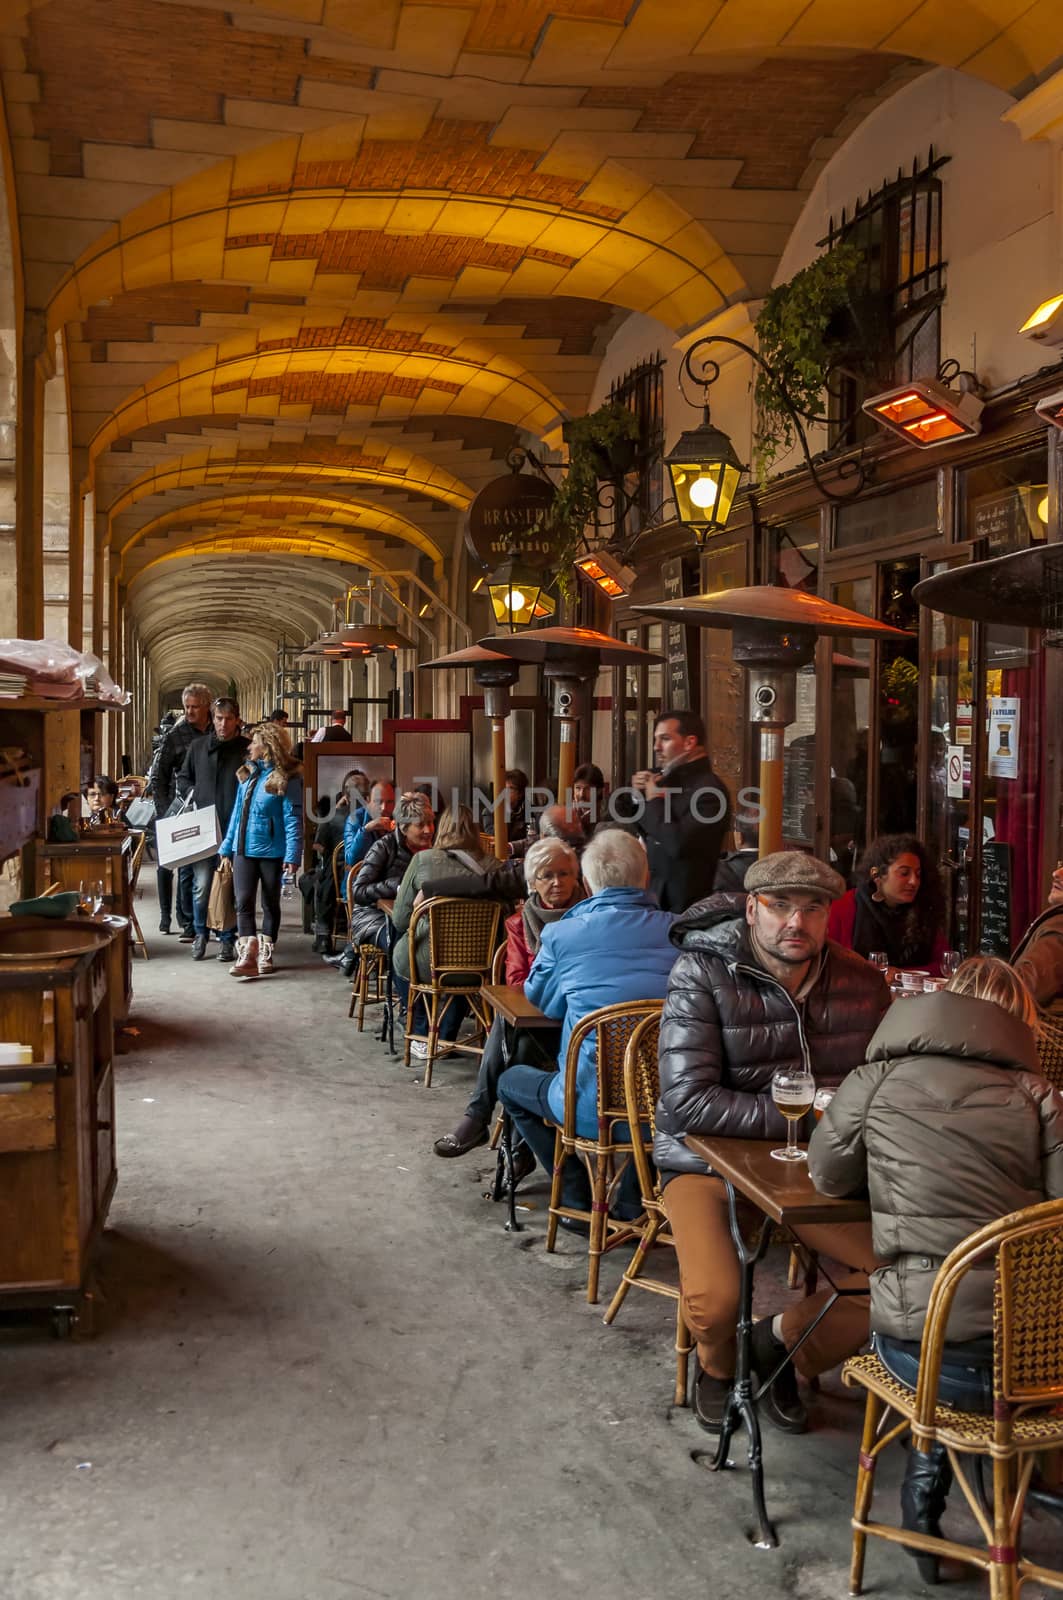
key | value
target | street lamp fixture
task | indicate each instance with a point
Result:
(705, 473)
(515, 589)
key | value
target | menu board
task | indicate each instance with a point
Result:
(996, 899)
(1006, 520)
(676, 640)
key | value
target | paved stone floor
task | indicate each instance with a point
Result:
(324, 1372)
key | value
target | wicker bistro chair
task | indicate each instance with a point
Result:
(642, 1088)
(372, 968)
(139, 942)
(1027, 1414)
(462, 935)
(1050, 1049)
(340, 918)
(613, 1027)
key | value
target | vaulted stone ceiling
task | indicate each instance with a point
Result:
(316, 263)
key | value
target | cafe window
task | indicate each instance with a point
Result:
(1005, 502)
(641, 391)
(901, 514)
(896, 303)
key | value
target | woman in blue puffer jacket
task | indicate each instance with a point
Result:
(265, 834)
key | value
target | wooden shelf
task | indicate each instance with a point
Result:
(32, 702)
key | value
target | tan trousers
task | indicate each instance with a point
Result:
(709, 1279)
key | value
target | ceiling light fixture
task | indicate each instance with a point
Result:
(1046, 323)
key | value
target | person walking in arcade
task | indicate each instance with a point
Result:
(265, 834)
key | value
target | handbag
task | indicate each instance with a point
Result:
(221, 907)
(140, 812)
(192, 835)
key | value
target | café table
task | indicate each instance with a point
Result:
(785, 1196)
(519, 1015)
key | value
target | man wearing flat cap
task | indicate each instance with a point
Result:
(757, 986)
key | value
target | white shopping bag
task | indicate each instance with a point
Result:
(188, 837)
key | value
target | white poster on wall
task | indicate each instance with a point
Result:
(1003, 755)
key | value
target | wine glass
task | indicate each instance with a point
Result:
(950, 961)
(793, 1090)
(98, 898)
(881, 960)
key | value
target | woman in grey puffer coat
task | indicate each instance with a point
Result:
(950, 1126)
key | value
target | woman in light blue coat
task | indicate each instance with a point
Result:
(265, 834)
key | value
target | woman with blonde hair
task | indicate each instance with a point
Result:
(265, 835)
(950, 1126)
(456, 853)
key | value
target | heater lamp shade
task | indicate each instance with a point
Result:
(770, 606)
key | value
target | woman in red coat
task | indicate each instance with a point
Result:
(897, 907)
(551, 873)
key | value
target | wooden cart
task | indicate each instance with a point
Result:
(105, 858)
(57, 1138)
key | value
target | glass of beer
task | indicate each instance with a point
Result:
(793, 1090)
(822, 1101)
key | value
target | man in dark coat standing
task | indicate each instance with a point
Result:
(685, 815)
(209, 769)
(195, 724)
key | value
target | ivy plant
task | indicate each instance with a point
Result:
(801, 334)
(600, 445)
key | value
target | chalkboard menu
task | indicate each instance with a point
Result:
(996, 899)
(676, 640)
(1001, 520)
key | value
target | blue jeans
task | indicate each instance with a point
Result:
(523, 1091)
(451, 1021)
(966, 1381)
(202, 879)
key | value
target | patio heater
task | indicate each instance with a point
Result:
(495, 674)
(571, 659)
(774, 634)
(1020, 590)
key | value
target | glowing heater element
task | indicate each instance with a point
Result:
(606, 573)
(927, 412)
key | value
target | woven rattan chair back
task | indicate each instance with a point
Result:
(1050, 1049)
(337, 868)
(1028, 1338)
(462, 935)
(613, 1027)
(642, 1089)
(498, 965)
(1028, 1309)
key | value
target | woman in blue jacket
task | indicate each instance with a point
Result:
(265, 834)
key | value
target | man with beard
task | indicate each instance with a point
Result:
(757, 986)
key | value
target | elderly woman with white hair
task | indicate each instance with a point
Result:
(612, 947)
(551, 872)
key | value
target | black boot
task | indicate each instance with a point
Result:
(924, 1493)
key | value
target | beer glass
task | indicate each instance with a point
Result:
(793, 1090)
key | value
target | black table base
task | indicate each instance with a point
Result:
(741, 1408)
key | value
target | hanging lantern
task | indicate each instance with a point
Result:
(515, 589)
(705, 473)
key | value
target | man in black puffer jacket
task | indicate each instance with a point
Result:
(758, 986)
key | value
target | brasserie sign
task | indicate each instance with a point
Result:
(503, 517)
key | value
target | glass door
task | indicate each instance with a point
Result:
(851, 710)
